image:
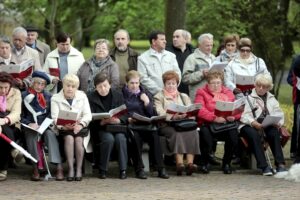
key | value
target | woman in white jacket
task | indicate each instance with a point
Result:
(245, 64)
(71, 99)
(259, 104)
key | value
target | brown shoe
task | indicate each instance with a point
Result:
(35, 175)
(60, 174)
(179, 169)
(190, 169)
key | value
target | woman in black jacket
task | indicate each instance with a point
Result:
(140, 101)
(108, 132)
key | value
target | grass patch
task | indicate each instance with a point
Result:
(285, 94)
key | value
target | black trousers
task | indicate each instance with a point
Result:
(5, 147)
(136, 148)
(207, 139)
(272, 136)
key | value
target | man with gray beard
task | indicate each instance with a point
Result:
(123, 55)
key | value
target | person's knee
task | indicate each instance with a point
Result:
(120, 139)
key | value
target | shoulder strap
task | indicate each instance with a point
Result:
(251, 106)
(257, 65)
(182, 99)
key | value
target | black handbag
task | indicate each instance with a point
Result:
(184, 125)
(116, 128)
(221, 127)
(142, 127)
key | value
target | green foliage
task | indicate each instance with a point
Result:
(288, 111)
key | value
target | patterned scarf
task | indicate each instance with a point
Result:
(3, 103)
(173, 95)
(39, 96)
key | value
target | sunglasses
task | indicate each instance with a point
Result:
(245, 50)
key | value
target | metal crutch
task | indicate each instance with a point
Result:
(48, 175)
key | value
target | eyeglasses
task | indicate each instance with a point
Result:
(245, 50)
(215, 83)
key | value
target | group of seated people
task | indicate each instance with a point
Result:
(126, 133)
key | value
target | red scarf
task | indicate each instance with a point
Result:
(40, 97)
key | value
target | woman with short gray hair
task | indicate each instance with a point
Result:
(100, 62)
(260, 104)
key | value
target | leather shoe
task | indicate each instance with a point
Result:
(191, 168)
(179, 169)
(78, 178)
(163, 174)
(35, 175)
(141, 174)
(227, 169)
(102, 174)
(123, 174)
(69, 178)
(203, 169)
(59, 174)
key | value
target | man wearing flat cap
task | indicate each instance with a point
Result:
(33, 42)
(35, 109)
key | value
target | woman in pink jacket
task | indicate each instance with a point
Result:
(208, 95)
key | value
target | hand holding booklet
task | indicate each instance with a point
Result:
(66, 117)
(46, 123)
(152, 119)
(21, 71)
(244, 82)
(116, 112)
(270, 120)
(225, 109)
(190, 110)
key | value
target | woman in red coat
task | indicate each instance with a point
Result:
(208, 95)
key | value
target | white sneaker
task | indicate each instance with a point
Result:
(3, 175)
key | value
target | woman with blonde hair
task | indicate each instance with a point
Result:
(71, 99)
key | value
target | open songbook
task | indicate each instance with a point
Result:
(116, 112)
(225, 109)
(66, 117)
(218, 65)
(46, 123)
(270, 120)
(152, 119)
(21, 70)
(244, 82)
(190, 110)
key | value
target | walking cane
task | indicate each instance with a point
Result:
(18, 147)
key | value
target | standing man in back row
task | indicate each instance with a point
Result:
(182, 49)
(197, 64)
(33, 42)
(156, 61)
(123, 55)
(63, 60)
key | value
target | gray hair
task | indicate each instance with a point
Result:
(122, 30)
(264, 79)
(205, 36)
(5, 39)
(19, 30)
(102, 41)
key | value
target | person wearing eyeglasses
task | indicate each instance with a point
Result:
(231, 48)
(208, 95)
(100, 62)
(245, 63)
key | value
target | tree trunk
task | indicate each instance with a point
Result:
(175, 11)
